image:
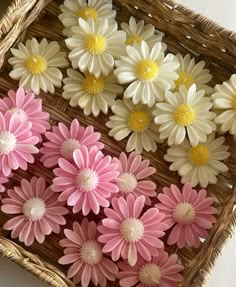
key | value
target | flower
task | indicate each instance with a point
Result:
(3, 179)
(84, 252)
(200, 164)
(185, 112)
(36, 65)
(136, 121)
(72, 10)
(39, 211)
(27, 108)
(88, 183)
(126, 233)
(189, 213)
(63, 141)
(95, 45)
(149, 72)
(132, 179)
(190, 73)
(161, 271)
(91, 94)
(16, 143)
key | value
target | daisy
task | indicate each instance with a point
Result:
(3, 180)
(126, 233)
(27, 108)
(88, 182)
(200, 164)
(94, 46)
(93, 95)
(16, 143)
(136, 121)
(133, 178)
(39, 211)
(189, 212)
(72, 10)
(84, 252)
(36, 65)
(149, 72)
(63, 141)
(186, 112)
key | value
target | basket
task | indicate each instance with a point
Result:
(185, 32)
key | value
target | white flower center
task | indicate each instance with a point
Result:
(20, 113)
(87, 179)
(132, 229)
(7, 142)
(150, 274)
(68, 147)
(184, 213)
(91, 252)
(34, 209)
(126, 182)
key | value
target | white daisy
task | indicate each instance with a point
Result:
(149, 72)
(135, 121)
(91, 94)
(190, 73)
(72, 10)
(200, 164)
(94, 46)
(185, 112)
(36, 65)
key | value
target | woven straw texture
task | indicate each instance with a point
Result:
(185, 32)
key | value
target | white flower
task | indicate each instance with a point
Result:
(149, 72)
(90, 93)
(94, 46)
(36, 65)
(72, 10)
(135, 121)
(185, 112)
(200, 164)
(190, 73)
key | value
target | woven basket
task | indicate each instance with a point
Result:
(186, 32)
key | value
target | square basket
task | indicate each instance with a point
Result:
(185, 32)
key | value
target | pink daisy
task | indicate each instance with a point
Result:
(28, 109)
(133, 172)
(126, 233)
(3, 179)
(63, 142)
(84, 252)
(16, 143)
(39, 211)
(88, 182)
(161, 271)
(189, 212)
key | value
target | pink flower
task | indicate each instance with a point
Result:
(88, 182)
(161, 271)
(3, 179)
(189, 212)
(127, 234)
(28, 109)
(39, 211)
(63, 142)
(16, 143)
(133, 172)
(84, 252)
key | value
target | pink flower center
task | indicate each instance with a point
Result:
(91, 252)
(132, 229)
(126, 182)
(184, 213)
(7, 142)
(20, 113)
(34, 209)
(68, 147)
(150, 274)
(87, 179)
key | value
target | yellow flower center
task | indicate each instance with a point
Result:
(184, 115)
(184, 79)
(36, 64)
(199, 155)
(234, 102)
(138, 121)
(87, 12)
(95, 44)
(133, 39)
(146, 70)
(93, 85)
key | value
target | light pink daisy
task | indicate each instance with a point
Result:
(126, 233)
(39, 211)
(88, 182)
(84, 252)
(132, 179)
(189, 213)
(63, 141)
(16, 143)
(3, 179)
(161, 271)
(28, 109)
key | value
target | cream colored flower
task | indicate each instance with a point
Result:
(36, 65)
(91, 94)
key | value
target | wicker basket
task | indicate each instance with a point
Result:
(185, 32)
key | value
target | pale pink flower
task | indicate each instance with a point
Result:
(39, 211)
(63, 141)
(189, 213)
(84, 252)
(3, 179)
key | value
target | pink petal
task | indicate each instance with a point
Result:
(132, 254)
